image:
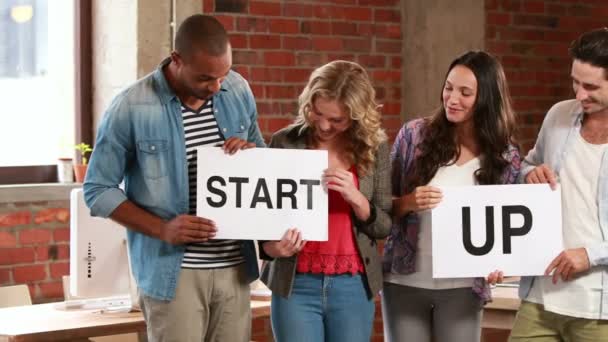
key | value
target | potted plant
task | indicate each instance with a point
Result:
(80, 170)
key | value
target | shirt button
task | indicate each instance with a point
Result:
(224, 129)
(367, 261)
(242, 127)
(153, 147)
(216, 110)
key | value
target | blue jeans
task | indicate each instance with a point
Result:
(323, 308)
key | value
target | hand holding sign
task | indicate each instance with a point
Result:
(290, 244)
(233, 144)
(188, 229)
(422, 198)
(495, 277)
(542, 174)
(568, 263)
(342, 181)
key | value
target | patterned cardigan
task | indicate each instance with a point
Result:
(400, 247)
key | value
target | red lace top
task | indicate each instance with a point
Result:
(339, 254)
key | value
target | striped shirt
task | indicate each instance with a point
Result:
(201, 129)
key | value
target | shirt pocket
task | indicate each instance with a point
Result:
(152, 157)
(241, 128)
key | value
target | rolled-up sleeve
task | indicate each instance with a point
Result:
(111, 154)
(598, 253)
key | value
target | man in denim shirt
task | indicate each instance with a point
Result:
(192, 288)
(572, 303)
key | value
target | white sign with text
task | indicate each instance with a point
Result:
(257, 194)
(513, 228)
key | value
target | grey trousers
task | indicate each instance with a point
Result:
(412, 314)
(209, 305)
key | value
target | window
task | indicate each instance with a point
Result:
(45, 84)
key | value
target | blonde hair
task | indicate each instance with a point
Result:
(349, 85)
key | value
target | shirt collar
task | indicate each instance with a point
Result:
(165, 92)
(578, 115)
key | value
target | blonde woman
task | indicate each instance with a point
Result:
(323, 291)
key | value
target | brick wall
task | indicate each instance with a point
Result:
(531, 38)
(34, 247)
(276, 44)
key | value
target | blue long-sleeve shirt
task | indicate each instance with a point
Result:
(141, 141)
(561, 124)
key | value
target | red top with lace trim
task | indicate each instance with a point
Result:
(339, 254)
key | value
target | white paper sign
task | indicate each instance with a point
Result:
(258, 194)
(525, 237)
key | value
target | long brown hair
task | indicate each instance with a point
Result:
(493, 121)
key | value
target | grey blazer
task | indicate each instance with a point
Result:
(278, 274)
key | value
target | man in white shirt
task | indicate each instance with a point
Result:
(571, 302)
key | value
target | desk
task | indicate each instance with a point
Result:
(46, 322)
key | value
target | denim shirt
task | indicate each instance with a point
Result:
(552, 146)
(141, 141)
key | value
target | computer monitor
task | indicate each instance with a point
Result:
(99, 261)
